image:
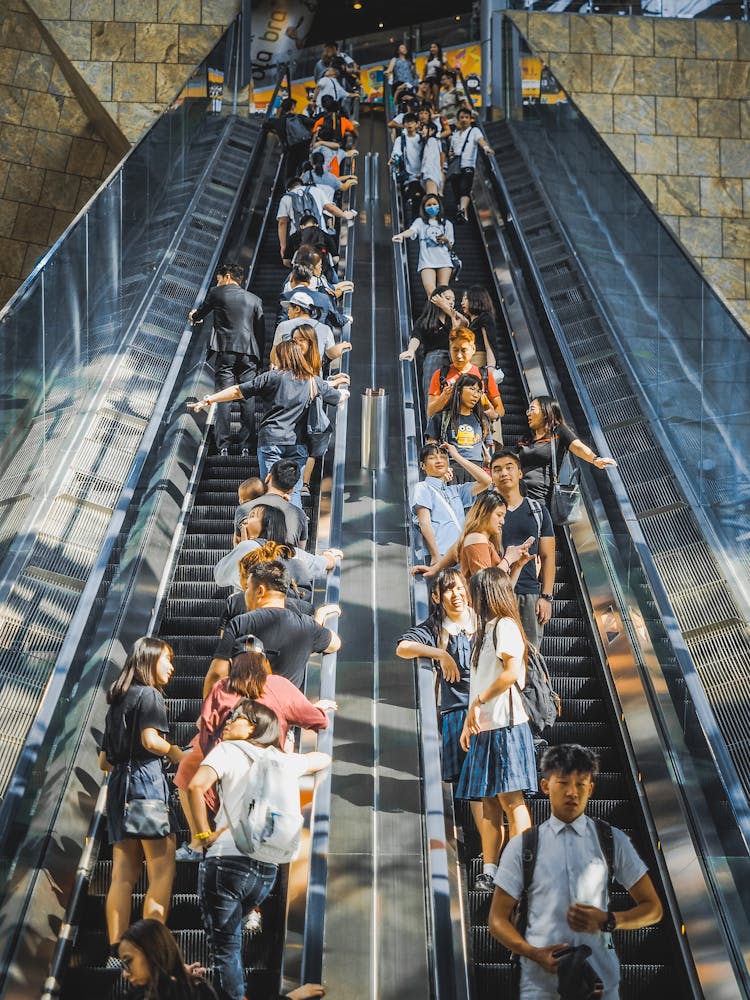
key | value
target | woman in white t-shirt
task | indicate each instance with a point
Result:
(500, 764)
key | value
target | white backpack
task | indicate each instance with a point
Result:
(270, 818)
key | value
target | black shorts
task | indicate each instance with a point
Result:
(463, 181)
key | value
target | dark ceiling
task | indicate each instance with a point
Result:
(341, 20)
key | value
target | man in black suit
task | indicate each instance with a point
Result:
(238, 342)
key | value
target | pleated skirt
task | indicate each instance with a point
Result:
(498, 761)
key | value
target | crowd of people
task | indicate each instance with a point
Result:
(238, 780)
(485, 542)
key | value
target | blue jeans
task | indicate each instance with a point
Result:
(228, 889)
(268, 454)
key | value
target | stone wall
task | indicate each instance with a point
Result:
(80, 81)
(670, 98)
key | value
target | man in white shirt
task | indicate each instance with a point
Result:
(568, 899)
(302, 198)
(463, 144)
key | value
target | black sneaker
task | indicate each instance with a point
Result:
(461, 218)
(224, 452)
(484, 883)
(245, 453)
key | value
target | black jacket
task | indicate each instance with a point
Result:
(238, 320)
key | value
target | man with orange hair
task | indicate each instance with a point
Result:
(462, 347)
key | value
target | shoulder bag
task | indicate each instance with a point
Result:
(565, 505)
(318, 429)
(454, 167)
(146, 819)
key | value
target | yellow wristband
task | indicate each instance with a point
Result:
(206, 835)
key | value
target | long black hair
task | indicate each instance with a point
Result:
(169, 979)
(431, 317)
(469, 378)
(551, 412)
(492, 597)
(140, 667)
(273, 525)
(445, 579)
(479, 301)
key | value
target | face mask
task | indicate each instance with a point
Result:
(432, 210)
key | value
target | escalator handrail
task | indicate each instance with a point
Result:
(334, 464)
(68, 930)
(449, 957)
(723, 762)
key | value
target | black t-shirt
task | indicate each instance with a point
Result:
(519, 525)
(236, 606)
(287, 636)
(435, 339)
(140, 708)
(536, 461)
(485, 321)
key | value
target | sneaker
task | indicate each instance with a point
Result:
(305, 491)
(186, 853)
(461, 217)
(253, 922)
(224, 452)
(484, 883)
(113, 964)
(245, 453)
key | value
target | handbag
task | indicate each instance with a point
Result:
(146, 819)
(565, 505)
(318, 429)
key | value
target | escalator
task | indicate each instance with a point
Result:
(652, 965)
(189, 623)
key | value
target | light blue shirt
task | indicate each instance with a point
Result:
(447, 506)
(570, 868)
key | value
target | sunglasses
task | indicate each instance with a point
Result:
(238, 714)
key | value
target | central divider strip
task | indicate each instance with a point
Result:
(376, 927)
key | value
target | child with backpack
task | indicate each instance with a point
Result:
(463, 424)
(257, 828)
(500, 764)
(556, 877)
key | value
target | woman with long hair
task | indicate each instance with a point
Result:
(433, 68)
(445, 638)
(432, 332)
(500, 764)
(316, 172)
(436, 239)
(480, 543)
(249, 677)
(401, 72)
(476, 304)
(153, 963)
(463, 424)
(535, 451)
(134, 747)
(287, 392)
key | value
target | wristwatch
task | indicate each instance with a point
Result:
(546, 597)
(610, 923)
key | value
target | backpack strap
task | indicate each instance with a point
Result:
(536, 510)
(607, 843)
(529, 847)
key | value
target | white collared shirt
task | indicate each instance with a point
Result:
(570, 868)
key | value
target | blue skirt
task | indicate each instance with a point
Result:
(148, 781)
(498, 761)
(452, 757)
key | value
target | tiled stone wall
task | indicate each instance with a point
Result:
(80, 80)
(51, 158)
(135, 55)
(671, 99)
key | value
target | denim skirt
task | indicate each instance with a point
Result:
(147, 781)
(452, 757)
(498, 761)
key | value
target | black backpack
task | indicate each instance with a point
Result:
(530, 844)
(297, 130)
(542, 703)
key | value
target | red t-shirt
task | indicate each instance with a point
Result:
(453, 374)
